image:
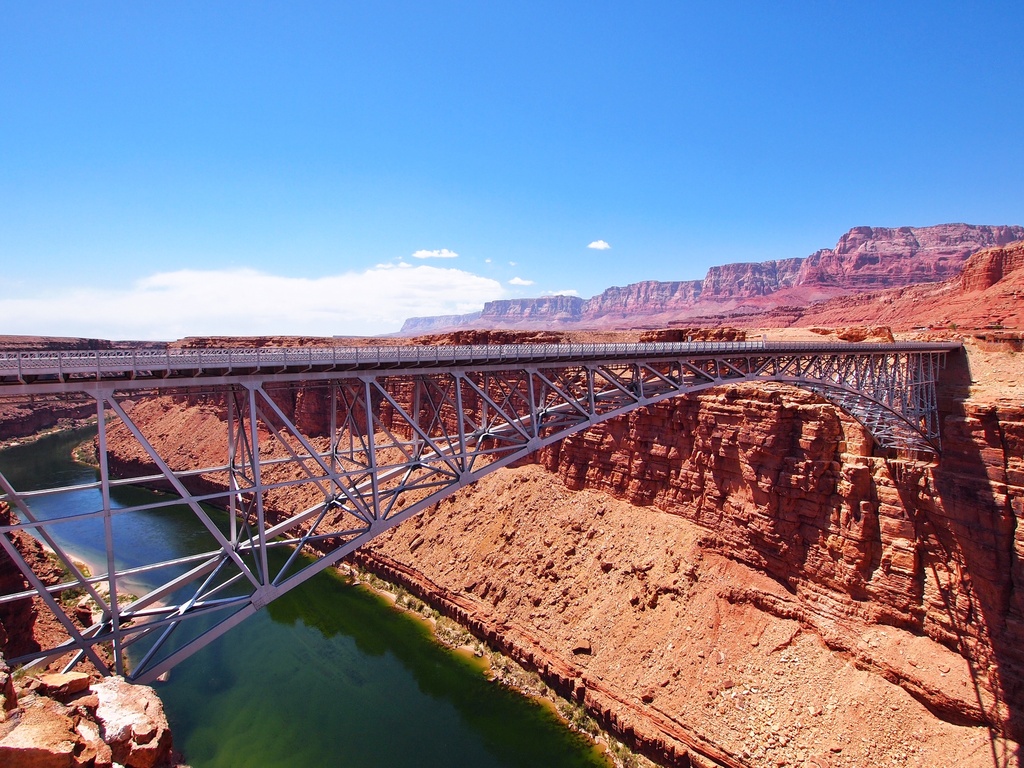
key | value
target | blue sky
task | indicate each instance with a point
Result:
(246, 168)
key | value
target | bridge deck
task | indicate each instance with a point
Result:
(30, 372)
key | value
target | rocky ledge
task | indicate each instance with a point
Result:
(73, 721)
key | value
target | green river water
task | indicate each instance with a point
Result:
(328, 675)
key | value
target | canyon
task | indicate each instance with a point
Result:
(739, 578)
(770, 587)
(735, 578)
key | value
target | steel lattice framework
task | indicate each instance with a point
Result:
(398, 429)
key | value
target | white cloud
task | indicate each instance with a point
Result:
(444, 253)
(513, 263)
(487, 261)
(246, 302)
(599, 245)
(519, 281)
(569, 292)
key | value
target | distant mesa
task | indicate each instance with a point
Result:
(865, 259)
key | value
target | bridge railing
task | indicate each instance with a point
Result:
(107, 363)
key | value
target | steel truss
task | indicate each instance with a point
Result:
(391, 438)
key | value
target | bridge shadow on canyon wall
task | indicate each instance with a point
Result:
(964, 514)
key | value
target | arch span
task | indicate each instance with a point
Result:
(321, 451)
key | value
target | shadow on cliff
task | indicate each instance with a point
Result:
(966, 531)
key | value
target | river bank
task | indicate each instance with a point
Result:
(495, 665)
(63, 425)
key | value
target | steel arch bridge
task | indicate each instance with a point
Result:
(396, 430)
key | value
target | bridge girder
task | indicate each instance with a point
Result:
(397, 440)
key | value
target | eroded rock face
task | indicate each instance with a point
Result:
(70, 721)
(989, 292)
(558, 309)
(741, 281)
(988, 267)
(18, 618)
(868, 258)
(433, 323)
(21, 419)
(642, 298)
(784, 485)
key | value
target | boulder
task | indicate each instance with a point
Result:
(62, 685)
(132, 723)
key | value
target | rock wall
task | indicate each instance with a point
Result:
(18, 619)
(29, 416)
(921, 548)
(432, 323)
(642, 298)
(741, 281)
(988, 267)
(989, 292)
(563, 309)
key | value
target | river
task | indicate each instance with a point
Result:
(330, 674)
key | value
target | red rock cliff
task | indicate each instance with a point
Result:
(988, 267)
(928, 549)
(741, 281)
(547, 309)
(868, 258)
(989, 291)
(638, 299)
(864, 259)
